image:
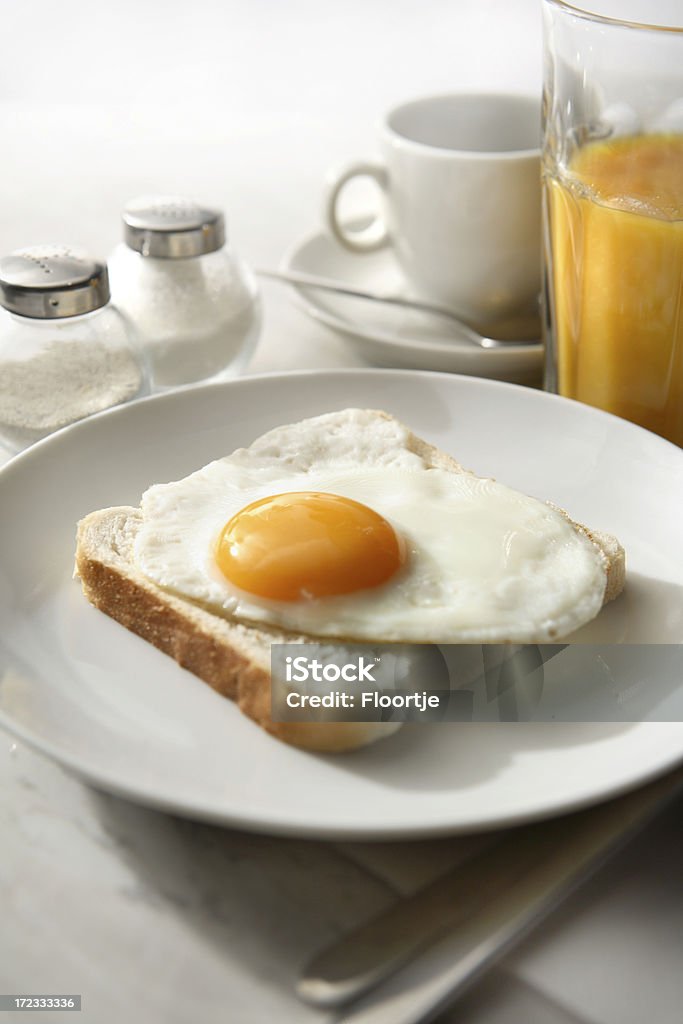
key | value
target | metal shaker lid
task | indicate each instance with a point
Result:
(48, 282)
(171, 227)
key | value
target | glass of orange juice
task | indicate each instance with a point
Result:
(613, 207)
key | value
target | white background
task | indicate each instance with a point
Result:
(246, 105)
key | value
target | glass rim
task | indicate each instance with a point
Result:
(604, 19)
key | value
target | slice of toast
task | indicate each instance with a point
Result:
(233, 657)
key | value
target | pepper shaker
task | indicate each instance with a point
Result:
(65, 351)
(194, 304)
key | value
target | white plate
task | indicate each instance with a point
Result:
(105, 703)
(389, 336)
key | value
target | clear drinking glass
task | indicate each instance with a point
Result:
(613, 207)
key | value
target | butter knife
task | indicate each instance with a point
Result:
(474, 914)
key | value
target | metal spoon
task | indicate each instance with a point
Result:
(465, 331)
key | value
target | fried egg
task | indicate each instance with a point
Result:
(335, 527)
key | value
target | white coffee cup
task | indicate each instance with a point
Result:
(461, 201)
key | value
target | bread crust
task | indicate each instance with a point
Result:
(234, 658)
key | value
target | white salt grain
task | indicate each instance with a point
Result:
(63, 382)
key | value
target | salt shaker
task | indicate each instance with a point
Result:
(194, 304)
(65, 351)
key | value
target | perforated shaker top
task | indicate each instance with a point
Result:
(49, 282)
(171, 227)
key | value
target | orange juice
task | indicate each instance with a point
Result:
(616, 228)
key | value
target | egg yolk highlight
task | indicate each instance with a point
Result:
(299, 546)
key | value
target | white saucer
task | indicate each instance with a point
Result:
(387, 336)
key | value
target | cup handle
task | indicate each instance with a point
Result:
(375, 235)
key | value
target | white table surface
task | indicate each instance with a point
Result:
(246, 104)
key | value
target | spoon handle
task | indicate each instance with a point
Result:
(338, 287)
(328, 285)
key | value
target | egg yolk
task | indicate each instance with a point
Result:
(299, 546)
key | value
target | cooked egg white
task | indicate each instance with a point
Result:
(473, 560)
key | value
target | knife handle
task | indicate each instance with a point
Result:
(482, 906)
